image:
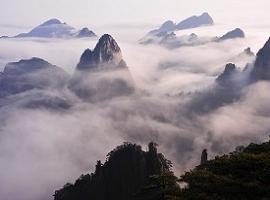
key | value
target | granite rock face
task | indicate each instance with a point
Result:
(107, 53)
(261, 70)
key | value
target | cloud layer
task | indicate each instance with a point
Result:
(41, 149)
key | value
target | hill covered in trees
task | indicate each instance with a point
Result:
(131, 173)
(125, 171)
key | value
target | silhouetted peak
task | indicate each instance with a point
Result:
(125, 171)
(236, 33)
(51, 22)
(228, 74)
(106, 53)
(229, 68)
(107, 49)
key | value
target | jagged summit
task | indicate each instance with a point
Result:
(261, 70)
(51, 22)
(107, 54)
(107, 49)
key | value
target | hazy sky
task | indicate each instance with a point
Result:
(103, 12)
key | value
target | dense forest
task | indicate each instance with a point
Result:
(131, 173)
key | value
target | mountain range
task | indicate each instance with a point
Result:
(192, 22)
(100, 74)
(170, 40)
(54, 28)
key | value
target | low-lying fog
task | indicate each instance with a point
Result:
(41, 149)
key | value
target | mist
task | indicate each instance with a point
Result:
(41, 148)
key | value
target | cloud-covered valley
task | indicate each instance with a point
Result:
(43, 147)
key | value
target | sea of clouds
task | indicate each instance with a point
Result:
(42, 149)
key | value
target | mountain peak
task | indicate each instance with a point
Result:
(235, 33)
(106, 46)
(106, 53)
(195, 21)
(228, 76)
(85, 32)
(167, 26)
(51, 22)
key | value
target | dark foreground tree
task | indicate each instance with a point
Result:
(242, 175)
(127, 169)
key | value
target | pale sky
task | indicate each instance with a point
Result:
(103, 12)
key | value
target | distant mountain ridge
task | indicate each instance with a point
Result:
(54, 28)
(191, 22)
(101, 74)
(170, 40)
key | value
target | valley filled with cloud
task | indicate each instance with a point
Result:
(51, 130)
